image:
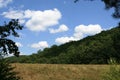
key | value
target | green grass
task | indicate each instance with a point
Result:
(113, 73)
(61, 71)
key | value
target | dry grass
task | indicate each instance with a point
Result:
(60, 71)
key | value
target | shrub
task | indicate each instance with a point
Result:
(114, 71)
(7, 71)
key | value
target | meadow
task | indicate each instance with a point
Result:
(60, 71)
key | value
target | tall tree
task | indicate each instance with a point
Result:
(8, 46)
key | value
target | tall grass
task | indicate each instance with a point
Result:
(60, 71)
(114, 71)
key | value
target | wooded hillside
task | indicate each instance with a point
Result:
(97, 49)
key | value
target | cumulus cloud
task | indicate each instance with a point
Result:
(85, 30)
(62, 28)
(13, 14)
(4, 3)
(40, 21)
(63, 40)
(80, 32)
(36, 20)
(40, 45)
(89, 29)
(19, 44)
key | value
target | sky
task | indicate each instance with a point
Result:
(55, 22)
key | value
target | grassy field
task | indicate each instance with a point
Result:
(60, 71)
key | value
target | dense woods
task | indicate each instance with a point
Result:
(97, 49)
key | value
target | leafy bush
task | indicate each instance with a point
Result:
(114, 71)
(112, 74)
(7, 71)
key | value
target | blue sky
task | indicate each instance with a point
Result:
(49, 22)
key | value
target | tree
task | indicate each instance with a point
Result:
(6, 71)
(8, 46)
(113, 4)
(110, 4)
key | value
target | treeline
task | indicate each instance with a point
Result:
(97, 49)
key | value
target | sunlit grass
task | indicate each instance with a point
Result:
(60, 71)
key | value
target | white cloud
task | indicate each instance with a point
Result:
(85, 30)
(37, 20)
(4, 3)
(21, 21)
(14, 14)
(40, 45)
(89, 29)
(41, 20)
(78, 35)
(62, 28)
(80, 32)
(63, 40)
(19, 44)
(28, 13)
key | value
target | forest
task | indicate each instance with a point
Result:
(96, 49)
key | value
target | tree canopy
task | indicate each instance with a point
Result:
(7, 46)
(97, 49)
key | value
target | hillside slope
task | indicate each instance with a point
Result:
(97, 49)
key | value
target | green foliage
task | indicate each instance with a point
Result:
(97, 49)
(8, 46)
(112, 61)
(6, 71)
(113, 73)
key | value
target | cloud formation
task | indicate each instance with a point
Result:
(40, 45)
(63, 40)
(14, 14)
(80, 32)
(19, 44)
(40, 21)
(36, 20)
(89, 29)
(62, 28)
(4, 3)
